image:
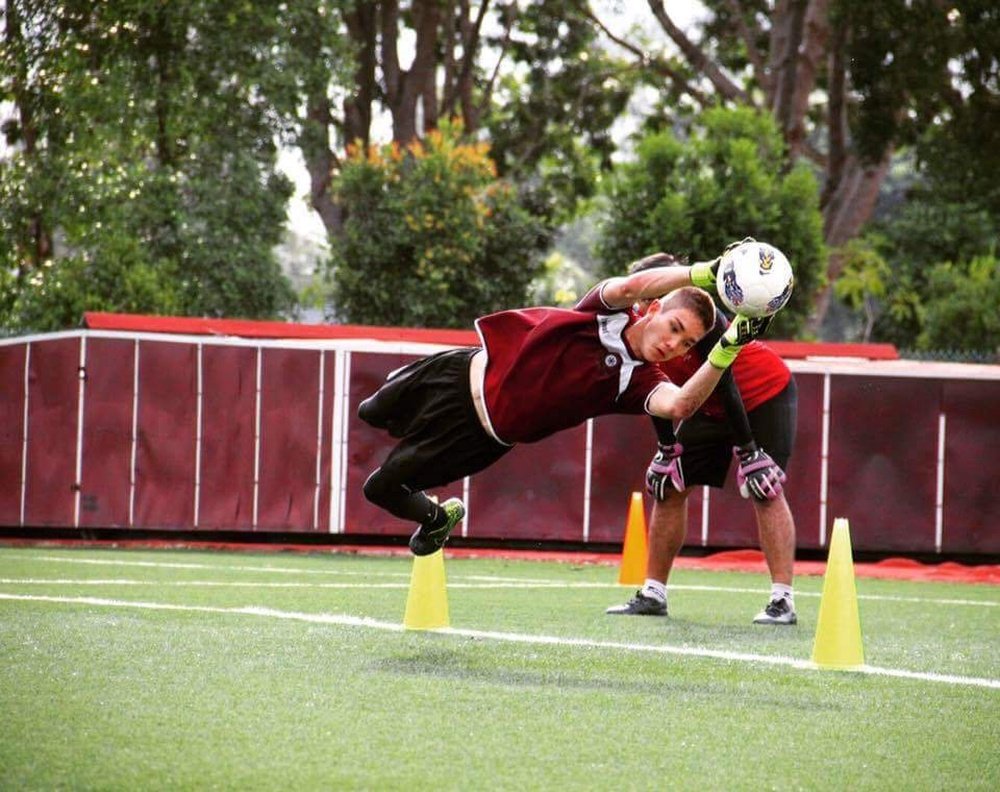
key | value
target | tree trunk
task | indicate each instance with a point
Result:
(405, 88)
(362, 28)
(849, 208)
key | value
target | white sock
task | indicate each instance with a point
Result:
(782, 591)
(655, 589)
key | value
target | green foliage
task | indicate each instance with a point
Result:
(727, 180)
(142, 175)
(962, 309)
(916, 242)
(431, 237)
(862, 282)
(551, 119)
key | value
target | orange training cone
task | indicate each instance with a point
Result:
(427, 602)
(633, 566)
(838, 628)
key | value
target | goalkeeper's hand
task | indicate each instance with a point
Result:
(665, 470)
(705, 273)
(758, 474)
(741, 332)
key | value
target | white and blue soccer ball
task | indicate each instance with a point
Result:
(754, 279)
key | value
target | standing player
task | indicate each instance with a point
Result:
(753, 408)
(538, 371)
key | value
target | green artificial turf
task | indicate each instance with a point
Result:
(536, 689)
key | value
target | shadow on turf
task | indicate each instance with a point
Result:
(439, 663)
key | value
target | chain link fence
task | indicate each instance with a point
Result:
(952, 355)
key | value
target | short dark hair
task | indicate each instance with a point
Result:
(695, 300)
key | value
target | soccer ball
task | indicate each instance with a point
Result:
(754, 279)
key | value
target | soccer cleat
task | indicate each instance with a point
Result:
(426, 540)
(778, 611)
(640, 605)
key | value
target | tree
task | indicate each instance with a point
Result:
(847, 82)
(954, 317)
(550, 123)
(432, 238)
(444, 79)
(142, 169)
(724, 182)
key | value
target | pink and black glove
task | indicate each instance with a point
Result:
(665, 470)
(758, 474)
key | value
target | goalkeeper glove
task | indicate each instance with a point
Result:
(664, 470)
(704, 273)
(741, 332)
(758, 474)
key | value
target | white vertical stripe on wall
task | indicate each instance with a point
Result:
(824, 460)
(338, 430)
(939, 499)
(24, 437)
(135, 433)
(705, 491)
(199, 382)
(319, 441)
(256, 438)
(81, 374)
(345, 420)
(588, 463)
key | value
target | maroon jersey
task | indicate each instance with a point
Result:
(549, 369)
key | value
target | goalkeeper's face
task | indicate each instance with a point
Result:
(664, 333)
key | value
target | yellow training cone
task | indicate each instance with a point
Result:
(427, 602)
(633, 566)
(838, 628)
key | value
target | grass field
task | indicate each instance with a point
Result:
(129, 670)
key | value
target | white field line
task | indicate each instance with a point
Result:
(453, 581)
(480, 582)
(519, 638)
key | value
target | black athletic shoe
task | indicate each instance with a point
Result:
(429, 540)
(778, 611)
(640, 605)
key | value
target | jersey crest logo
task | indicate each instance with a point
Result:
(611, 361)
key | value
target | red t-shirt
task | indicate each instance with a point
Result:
(549, 369)
(759, 372)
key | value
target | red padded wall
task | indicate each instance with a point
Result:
(971, 514)
(534, 492)
(165, 448)
(53, 391)
(107, 433)
(288, 439)
(622, 448)
(883, 452)
(883, 455)
(12, 358)
(802, 489)
(229, 383)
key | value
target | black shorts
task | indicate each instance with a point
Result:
(428, 406)
(708, 443)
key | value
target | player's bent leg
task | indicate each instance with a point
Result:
(435, 523)
(776, 528)
(667, 526)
